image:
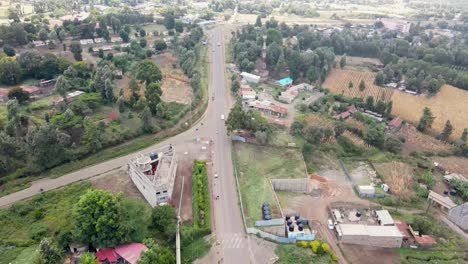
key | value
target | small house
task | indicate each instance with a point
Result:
(251, 78)
(440, 201)
(395, 124)
(384, 218)
(366, 191)
(285, 82)
(459, 215)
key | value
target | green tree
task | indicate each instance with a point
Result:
(343, 61)
(62, 86)
(325, 247)
(362, 86)
(121, 104)
(143, 42)
(169, 20)
(380, 107)
(146, 121)
(10, 70)
(370, 103)
(433, 86)
(393, 144)
(43, 35)
(426, 120)
(142, 33)
(134, 218)
(314, 245)
(235, 86)
(164, 220)
(153, 96)
(122, 62)
(19, 94)
(179, 26)
(76, 49)
(124, 35)
(258, 22)
(92, 136)
(9, 50)
(350, 85)
(157, 254)
(379, 78)
(375, 136)
(447, 132)
(464, 135)
(47, 145)
(160, 45)
(96, 217)
(148, 72)
(47, 253)
(274, 35)
(88, 258)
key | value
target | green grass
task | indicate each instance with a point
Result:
(292, 254)
(26, 255)
(51, 210)
(282, 138)
(256, 165)
(432, 256)
(195, 250)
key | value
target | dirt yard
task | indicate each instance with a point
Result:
(453, 164)
(419, 142)
(370, 255)
(115, 182)
(448, 104)
(176, 88)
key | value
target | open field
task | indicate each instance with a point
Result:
(338, 83)
(448, 104)
(294, 19)
(398, 176)
(419, 142)
(256, 165)
(453, 164)
(368, 255)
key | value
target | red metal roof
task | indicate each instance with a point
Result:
(404, 229)
(30, 89)
(108, 254)
(396, 122)
(131, 252)
(352, 109)
(3, 92)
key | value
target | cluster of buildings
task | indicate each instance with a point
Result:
(35, 92)
(376, 228)
(124, 254)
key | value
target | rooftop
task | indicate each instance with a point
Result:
(131, 252)
(442, 200)
(285, 81)
(396, 122)
(369, 230)
(384, 217)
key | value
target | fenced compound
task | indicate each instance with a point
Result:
(268, 236)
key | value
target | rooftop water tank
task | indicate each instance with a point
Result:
(298, 215)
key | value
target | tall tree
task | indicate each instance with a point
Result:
(148, 72)
(91, 136)
(76, 49)
(362, 86)
(258, 22)
(426, 120)
(47, 146)
(343, 61)
(96, 217)
(62, 86)
(164, 220)
(10, 70)
(464, 135)
(350, 85)
(146, 121)
(153, 94)
(447, 132)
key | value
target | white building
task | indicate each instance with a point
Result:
(251, 78)
(154, 174)
(384, 217)
(369, 235)
(400, 26)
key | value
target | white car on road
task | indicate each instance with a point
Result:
(222, 117)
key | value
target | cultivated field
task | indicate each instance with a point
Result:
(355, 139)
(450, 103)
(419, 142)
(338, 83)
(453, 164)
(398, 176)
(256, 165)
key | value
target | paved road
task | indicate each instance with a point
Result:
(233, 245)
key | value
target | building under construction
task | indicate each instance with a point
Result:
(154, 174)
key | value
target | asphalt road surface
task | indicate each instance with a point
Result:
(232, 246)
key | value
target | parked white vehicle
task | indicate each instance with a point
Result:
(331, 226)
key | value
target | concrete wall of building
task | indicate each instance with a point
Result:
(386, 242)
(144, 186)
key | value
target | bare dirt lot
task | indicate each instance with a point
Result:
(117, 181)
(419, 142)
(176, 88)
(370, 255)
(453, 164)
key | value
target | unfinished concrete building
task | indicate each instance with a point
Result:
(154, 174)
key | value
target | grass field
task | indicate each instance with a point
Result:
(256, 165)
(448, 104)
(338, 83)
(48, 212)
(292, 254)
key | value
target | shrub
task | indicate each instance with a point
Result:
(38, 231)
(302, 244)
(334, 257)
(314, 245)
(325, 247)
